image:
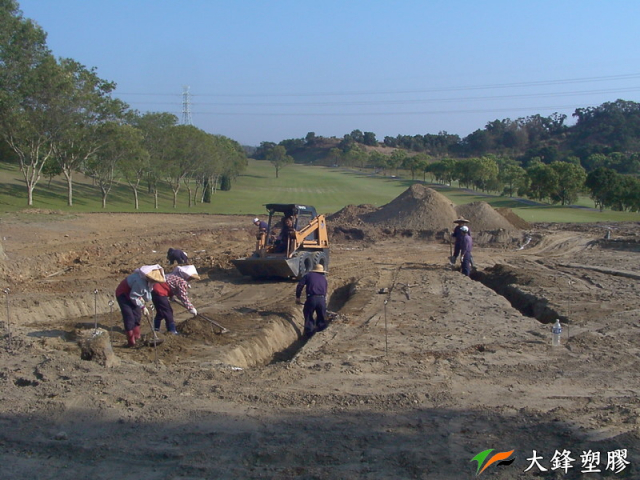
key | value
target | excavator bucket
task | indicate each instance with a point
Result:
(258, 267)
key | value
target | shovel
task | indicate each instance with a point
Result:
(222, 329)
(156, 340)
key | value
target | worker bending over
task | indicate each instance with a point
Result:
(132, 295)
(175, 286)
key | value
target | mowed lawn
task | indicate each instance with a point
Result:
(328, 189)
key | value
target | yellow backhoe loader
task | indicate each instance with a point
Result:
(292, 245)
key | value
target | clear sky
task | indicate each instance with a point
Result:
(268, 70)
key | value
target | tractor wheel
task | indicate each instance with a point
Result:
(305, 265)
(321, 258)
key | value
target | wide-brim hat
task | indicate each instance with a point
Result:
(156, 276)
(188, 272)
(318, 268)
(461, 220)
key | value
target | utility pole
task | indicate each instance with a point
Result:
(186, 106)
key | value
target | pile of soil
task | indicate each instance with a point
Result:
(417, 208)
(483, 217)
(351, 214)
(422, 212)
(514, 219)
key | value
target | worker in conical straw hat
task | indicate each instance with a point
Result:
(176, 286)
(316, 286)
(458, 237)
(133, 293)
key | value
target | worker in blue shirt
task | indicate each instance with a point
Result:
(316, 284)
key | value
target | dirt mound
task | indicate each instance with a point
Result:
(417, 208)
(482, 217)
(424, 213)
(350, 215)
(514, 219)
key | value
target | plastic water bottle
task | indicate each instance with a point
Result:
(556, 331)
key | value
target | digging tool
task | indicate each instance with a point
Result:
(95, 309)
(222, 329)
(6, 292)
(156, 341)
(451, 259)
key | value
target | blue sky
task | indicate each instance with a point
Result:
(271, 70)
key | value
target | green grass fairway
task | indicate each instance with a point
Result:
(328, 189)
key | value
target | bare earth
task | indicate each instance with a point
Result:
(421, 369)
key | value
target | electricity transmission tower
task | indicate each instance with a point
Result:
(186, 106)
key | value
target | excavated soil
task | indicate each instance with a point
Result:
(420, 369)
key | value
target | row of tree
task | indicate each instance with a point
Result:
(58, 117)
(604, 136)
(557, 182)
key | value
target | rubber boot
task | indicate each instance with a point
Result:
(171, 328)
(136, 332)
(131, 339)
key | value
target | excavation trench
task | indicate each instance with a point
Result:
(254, 338)
(505, 282)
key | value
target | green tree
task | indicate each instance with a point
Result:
(602, 184)
(512, 176)
(397, 158)
(335, 155)
(543, 181)
(31, 83)
(84, 105)
(378, 161)
(155, 129)
(369, 139)
(570, 182)
(413, 164)
(279, 158)
(422, 160)
(355, 156)
(485, 173)
(311, 139)
(118, 143)
(184, 152)
(135, 164)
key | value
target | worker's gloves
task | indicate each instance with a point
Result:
(193, 311)
(298, 301)
(145, 311)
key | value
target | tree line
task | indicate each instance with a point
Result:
(538, 157)
(57, 117)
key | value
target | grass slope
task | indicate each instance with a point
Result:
(328, 189)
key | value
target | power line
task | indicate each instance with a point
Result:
(427, 112)
(537, 83)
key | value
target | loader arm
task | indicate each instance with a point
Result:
(319, 226)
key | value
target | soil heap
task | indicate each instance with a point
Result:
(423, 211)
(417, 208)
(487, 225)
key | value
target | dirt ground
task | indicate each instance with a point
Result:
(420, 370)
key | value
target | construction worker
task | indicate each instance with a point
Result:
(316, 284)
(175, 255)
(458, 238)
(175, 286)
(261, 224)
(287, 232)
(132, 295)
(466, 244)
